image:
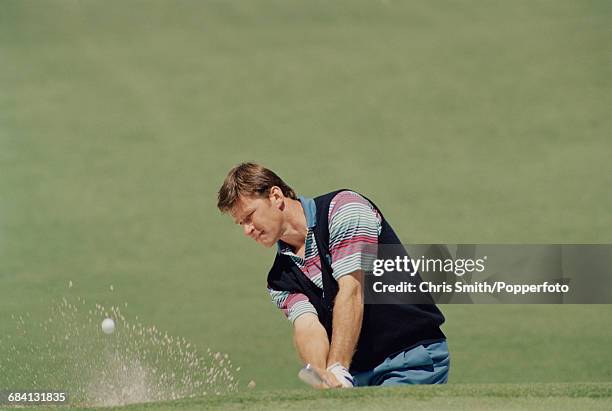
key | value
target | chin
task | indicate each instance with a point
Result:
(267, 244)
(267, 241)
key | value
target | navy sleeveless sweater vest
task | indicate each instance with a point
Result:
(386, 329)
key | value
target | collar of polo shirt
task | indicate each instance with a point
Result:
(310, 210)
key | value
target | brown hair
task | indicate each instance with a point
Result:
(249, 179)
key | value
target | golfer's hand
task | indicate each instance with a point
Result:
(329, 379)
(342, 375)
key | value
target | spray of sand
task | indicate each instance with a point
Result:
(135, 364)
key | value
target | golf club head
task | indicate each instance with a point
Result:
(310, 376)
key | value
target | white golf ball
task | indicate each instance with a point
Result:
(108, 325)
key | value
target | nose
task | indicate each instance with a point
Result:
(248, 229)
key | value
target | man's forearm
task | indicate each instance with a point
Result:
(311, 340)
(347, 319)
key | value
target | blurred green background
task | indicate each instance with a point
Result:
(465, 121)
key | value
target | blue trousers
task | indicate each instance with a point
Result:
(423, 364)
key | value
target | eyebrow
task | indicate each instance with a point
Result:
(246, 213)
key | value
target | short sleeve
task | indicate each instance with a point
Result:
(291, 304)
(354, 226)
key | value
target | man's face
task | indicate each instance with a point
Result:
(260, 218)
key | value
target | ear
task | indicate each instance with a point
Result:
(277, 198)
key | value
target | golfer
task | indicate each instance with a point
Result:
(317, 280)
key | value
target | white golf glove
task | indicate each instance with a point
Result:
(342, 375)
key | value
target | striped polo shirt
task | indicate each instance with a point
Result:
(353, 223)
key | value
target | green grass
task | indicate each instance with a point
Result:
(452, 397)
(457, 397)
(465, 122)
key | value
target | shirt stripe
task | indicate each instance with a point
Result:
(353, 224)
